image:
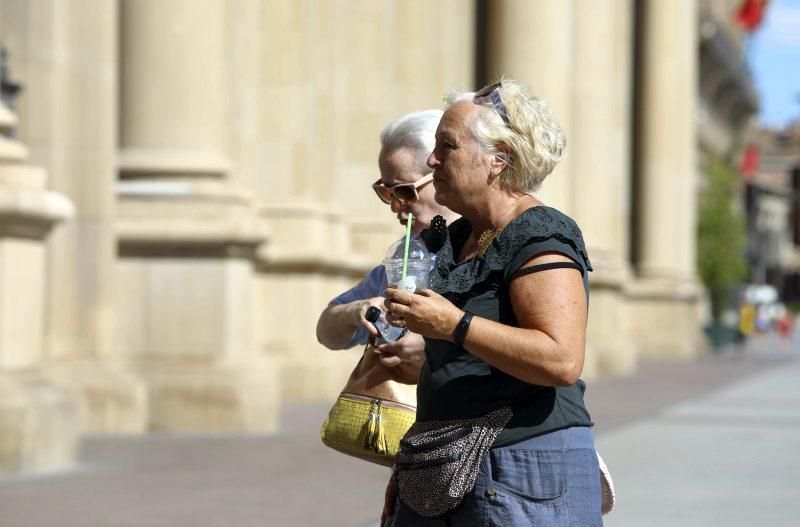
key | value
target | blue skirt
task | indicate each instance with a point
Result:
(546, 481)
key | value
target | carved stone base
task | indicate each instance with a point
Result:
(110, 399)
(186, 265)
(187, 396)
(665, 318)
(610, 348)
(38, 424)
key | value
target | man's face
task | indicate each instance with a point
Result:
(398, 166)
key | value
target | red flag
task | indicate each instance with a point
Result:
(750, 14)
(750, 162)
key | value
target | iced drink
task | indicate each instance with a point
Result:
(417, 270)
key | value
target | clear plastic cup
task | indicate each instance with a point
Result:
(417, 271)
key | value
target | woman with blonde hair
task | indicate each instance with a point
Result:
(502, 434)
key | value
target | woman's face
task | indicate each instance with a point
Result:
(460, 165)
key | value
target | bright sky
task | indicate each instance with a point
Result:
(774, 55)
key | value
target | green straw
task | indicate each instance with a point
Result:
(408, 239)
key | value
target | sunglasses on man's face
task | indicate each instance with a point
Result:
(492, 93)
(402, 192)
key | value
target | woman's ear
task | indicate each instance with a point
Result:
(500, 160)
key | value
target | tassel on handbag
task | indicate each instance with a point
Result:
(381, 447)
(375, 438)
(370, 438)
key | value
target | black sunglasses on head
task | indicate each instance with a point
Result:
(492, 93)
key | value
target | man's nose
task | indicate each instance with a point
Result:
(397, 205)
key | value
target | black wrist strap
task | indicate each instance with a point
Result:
(461, 329)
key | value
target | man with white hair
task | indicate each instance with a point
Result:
(405, 186)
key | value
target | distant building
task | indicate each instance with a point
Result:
(773, 208)
(728, 102)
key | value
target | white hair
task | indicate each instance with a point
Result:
(416, 131)
(533, 140)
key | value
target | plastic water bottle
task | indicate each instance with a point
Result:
(388, 333)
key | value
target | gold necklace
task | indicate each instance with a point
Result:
(485, 240)
(487, 237)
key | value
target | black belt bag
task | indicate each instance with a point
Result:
(439, 461)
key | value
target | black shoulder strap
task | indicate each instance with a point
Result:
(544, 267)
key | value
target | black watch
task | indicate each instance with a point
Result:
(461, 329)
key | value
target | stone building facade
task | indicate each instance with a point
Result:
(185, 184)
(772, 199)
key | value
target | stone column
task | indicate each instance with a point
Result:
(39, 423)
(67, 59)
(345, 69)
(282, 150)
(187, 232)
(533, 42)
(600, 155)
(666, 296)
(553, 48)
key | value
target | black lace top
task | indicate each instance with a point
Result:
(456, 384)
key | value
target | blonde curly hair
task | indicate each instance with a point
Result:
(531, 144)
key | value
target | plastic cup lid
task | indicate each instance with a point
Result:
(416, 250)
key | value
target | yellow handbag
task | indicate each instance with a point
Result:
(375, 409)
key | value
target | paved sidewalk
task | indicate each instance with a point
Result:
(729, 458)
(701, 443)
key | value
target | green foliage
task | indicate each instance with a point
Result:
(721, 237)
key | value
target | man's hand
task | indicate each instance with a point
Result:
(409, 349)
(338, 323)
(359, 311)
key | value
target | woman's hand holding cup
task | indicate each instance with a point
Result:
(425, 312)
